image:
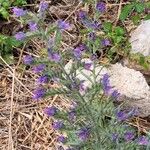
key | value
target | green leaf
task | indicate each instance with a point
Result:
(142, 60)
(136, 19)
(147, 17)
(139, 7)
(6, 4)
(4, 12)
(6, 45)
(73, 139)
(147, 5)
(119, 31)
(58, 38)
(107, 27)
(8, 58)
(126, 11)
(19, 2)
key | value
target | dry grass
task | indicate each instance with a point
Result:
(23, 126)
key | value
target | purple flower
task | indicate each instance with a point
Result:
(92, 36)
(105, 42)
(93, 57)
(38, 93)
(18, 12)
(143, 140)
(87, 66)
(33, 26)
(82, 14)
(42, 79)
(20, 36)
(106, 84)
(82, 87)
(101, 7)
(78, 50)
(28, 59)
(62, 25)
(77, 53)
(43, 6)
(50, 111)
(72, 116)
(128, 136)
(133, 112)
(95, 25)
(54, 57)
(115, 137)
(73, 106)
(121, 116)
(105, 79)
(115, 94)
(90, 24)
(57, 125)
(82, 47)
(83, 134)
(61, 139)
(39, 68)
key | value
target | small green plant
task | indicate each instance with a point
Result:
(6, 4)
(6, 45)
(136, 6)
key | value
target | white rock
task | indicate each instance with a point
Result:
(133, 88)
(130, 83)
(87, 75)
(140, 39)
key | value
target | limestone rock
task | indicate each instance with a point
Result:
(130, 83)
(133, 88)
(140, 40)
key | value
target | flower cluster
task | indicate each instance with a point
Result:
(33, 26)
(18, 12)
(101, 7)
(78, 51)
(107, 88)
(33, 23)
(20, 36)
(43, 6)
(83, 17)
(92, 121)
(62, 25)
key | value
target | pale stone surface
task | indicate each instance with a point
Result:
(140, 39)
(133, 88)
(84, 75)
(130, 83)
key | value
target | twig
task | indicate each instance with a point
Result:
(73, 11)
(119, 12)
(20, 57)
(10, 70)
(10, 140)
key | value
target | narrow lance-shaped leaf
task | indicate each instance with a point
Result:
(126, 11)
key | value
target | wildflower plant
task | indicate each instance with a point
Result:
(92, 122)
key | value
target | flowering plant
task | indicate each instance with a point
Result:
(92, 122)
